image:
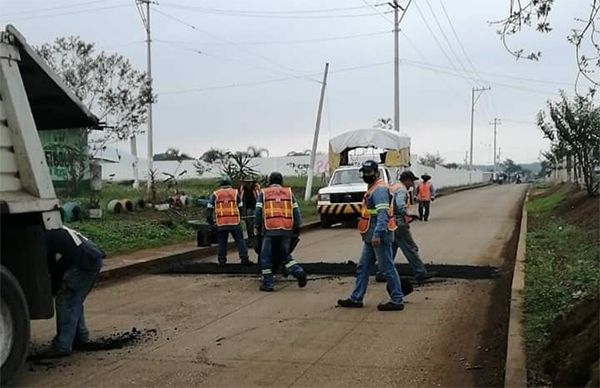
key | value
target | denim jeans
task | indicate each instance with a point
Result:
(70, 322)
(383, 255)
(266, 258)
(238, 237)
(403, 239)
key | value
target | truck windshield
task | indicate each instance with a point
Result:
(345, 177)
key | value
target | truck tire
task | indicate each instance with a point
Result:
(325, 222)
(14, 326)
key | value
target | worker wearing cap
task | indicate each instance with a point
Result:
(223, 210)
(277, 219)
(74, 263)
(425, 194)
(376, 225)
(402, 237)
(249, 193)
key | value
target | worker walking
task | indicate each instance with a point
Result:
(402, 237)
(376, 225)
(277, 219)
(74, 263)
(223, 210)
(425, 195)
(249, 193)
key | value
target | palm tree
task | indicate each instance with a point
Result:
(256, 152)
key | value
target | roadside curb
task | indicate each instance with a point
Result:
(156, 263)
(515, 370)
(462, 188)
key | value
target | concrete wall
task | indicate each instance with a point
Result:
(287, 165)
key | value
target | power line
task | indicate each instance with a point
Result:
(255, 14)
(274, 80)
(67, 13)
(450, 46)
(288, 70)
(66, 6)
(286, 42)
(322, 10)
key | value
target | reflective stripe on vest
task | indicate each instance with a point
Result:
(364, 221)
(278, 209)
(424, 193)
(227, 212)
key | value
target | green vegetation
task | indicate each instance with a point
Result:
(562, 265)
(146, 228)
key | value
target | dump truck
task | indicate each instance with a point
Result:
(341, 199)
(32, 99)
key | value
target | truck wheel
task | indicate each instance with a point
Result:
(14, 326)
(325, 222)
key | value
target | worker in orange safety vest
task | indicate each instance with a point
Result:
(277, 220)
(223, 211)
(249, 193)
(425, 194)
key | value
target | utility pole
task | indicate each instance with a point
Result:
(474, 100)
(396, 68)
(495, 124)
(313, 153)
(146, 20)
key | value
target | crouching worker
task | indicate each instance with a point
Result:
(74, 263)
(277, 220)
(223, 209)
(376, 225)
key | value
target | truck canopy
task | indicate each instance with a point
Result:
(396, 147)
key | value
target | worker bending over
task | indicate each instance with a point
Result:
(277, 219)
(74, 263)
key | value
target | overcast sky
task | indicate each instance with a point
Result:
(198, 108)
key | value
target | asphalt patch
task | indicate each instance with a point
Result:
(347, 268)
(114, 341)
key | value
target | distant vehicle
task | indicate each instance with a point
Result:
(341, 199)
(32, 99)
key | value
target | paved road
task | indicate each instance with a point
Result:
(221, 331)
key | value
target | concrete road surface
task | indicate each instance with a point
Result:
(221, 331)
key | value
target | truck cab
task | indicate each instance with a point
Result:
(341, 199)
(32, 99)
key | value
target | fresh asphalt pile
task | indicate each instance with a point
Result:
(118, 340)
(347, 268)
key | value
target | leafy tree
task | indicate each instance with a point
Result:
(213, 155)
(172, 154)
(574, 130)
(384, 123)
(106, 83)
(431, 160)
(256, 152)
(299, 153)
(238, 166)
(535, 14)
(452, 165)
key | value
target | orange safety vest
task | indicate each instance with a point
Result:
(364, 221)
(424, 193)
(227, 212)
(255, 191)
(395, 187)
(278, 212)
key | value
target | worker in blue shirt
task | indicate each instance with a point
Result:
(376, 225)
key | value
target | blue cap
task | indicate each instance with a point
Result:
(369, 166)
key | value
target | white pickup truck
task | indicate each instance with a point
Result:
(32, 99)
(341, 200)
